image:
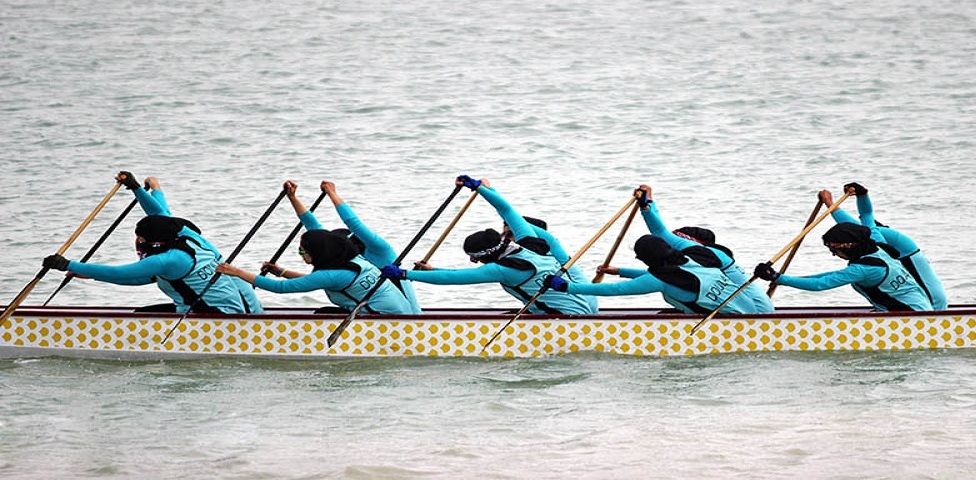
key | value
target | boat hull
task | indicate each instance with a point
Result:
(296, 333)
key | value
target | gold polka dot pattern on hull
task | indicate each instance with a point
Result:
(465, 337)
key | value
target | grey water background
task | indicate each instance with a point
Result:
(736, 112)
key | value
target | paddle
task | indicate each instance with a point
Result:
(334, 336)
(789, 258)
(450, 226)
(562, 270)
(291, 236)
(7, 312)
(797, 239)
(233, 255)
(91, 251)
(616, 243)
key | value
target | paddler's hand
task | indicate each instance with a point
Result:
(485, 182)
(394, 272)
(766, 272)
(272, 268)
(328, 187)
(291, 188)
(556, 283)
(855, 189)
(55, 262)
(644, 196)
(826, 197)
(467, 181)
(422, 266)
(228, 269)
(151, 183)
(608, 270)
(128, 180)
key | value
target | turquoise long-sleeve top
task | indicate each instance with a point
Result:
(827, 280)
(170, 264)
(155, 203)
(487, 273)
(317, 280)
(908, 251)
(522, 229)
(378, 251)
(755, 294)
(901, 242)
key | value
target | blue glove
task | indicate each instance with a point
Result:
(556, 283)
(393, 271)
(469, 182)
(766, 272)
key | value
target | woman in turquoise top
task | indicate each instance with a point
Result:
(903, 248)
(870, 271)
(154, 203)
(531, 233)
(179, 265)
(687, 237)
(373, 247)
(689, 280)
(519, 270)
(337, 268)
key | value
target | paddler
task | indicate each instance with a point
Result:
(337, 267)
(372, 247)
(902, 247)
(518, 269)
(179, 265)
(691, 280)
(152, 200)
(687, 237)
(880, 279)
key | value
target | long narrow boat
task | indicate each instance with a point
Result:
(118, 332)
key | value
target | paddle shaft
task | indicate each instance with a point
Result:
(233, 255)
(450, 226)
(91, 251)
(566, 266)
(334, 336)
(294, 232)
(64, 248)
(616, 243)
(797, 239)
(789, 258)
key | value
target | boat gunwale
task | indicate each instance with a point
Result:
(456, 314)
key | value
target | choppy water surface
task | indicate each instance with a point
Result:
(735, 112)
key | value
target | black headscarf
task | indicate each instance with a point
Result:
(656, 253)
(705, 237)
(329, 250)
(158, 228)
(345, 232)
(854, 241)
(485, 245)
(161, 233)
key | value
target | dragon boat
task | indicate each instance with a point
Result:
(121, 333)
